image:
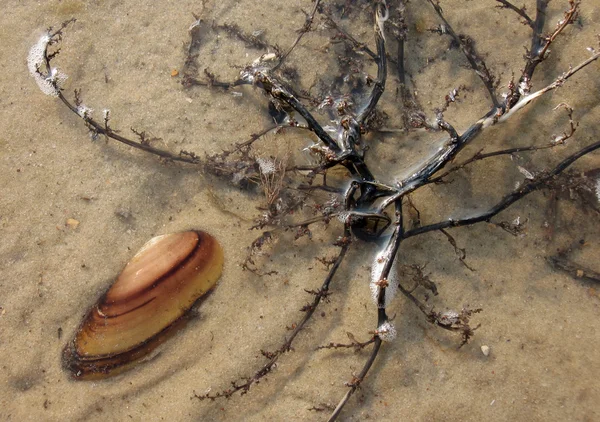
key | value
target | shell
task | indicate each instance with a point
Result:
(145, 305)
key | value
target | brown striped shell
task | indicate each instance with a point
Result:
(145, 304)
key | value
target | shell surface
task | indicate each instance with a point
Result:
(147, 301)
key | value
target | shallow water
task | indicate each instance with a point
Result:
(541, 325)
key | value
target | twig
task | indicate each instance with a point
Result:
(476, 62)
(305, 28)
(354, 344)
(525, 189)
(574, 269)
(357, 380)
(520, 11)
(480, 155)
(244, 385)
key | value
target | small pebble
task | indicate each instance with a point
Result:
(72, 223)
(485, 350)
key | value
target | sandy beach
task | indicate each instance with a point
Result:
(73, 211)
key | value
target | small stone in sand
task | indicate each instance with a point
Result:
(72, 223)
(485, 350)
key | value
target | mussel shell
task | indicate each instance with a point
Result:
(145, 304)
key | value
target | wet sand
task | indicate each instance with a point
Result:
(541, 325)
